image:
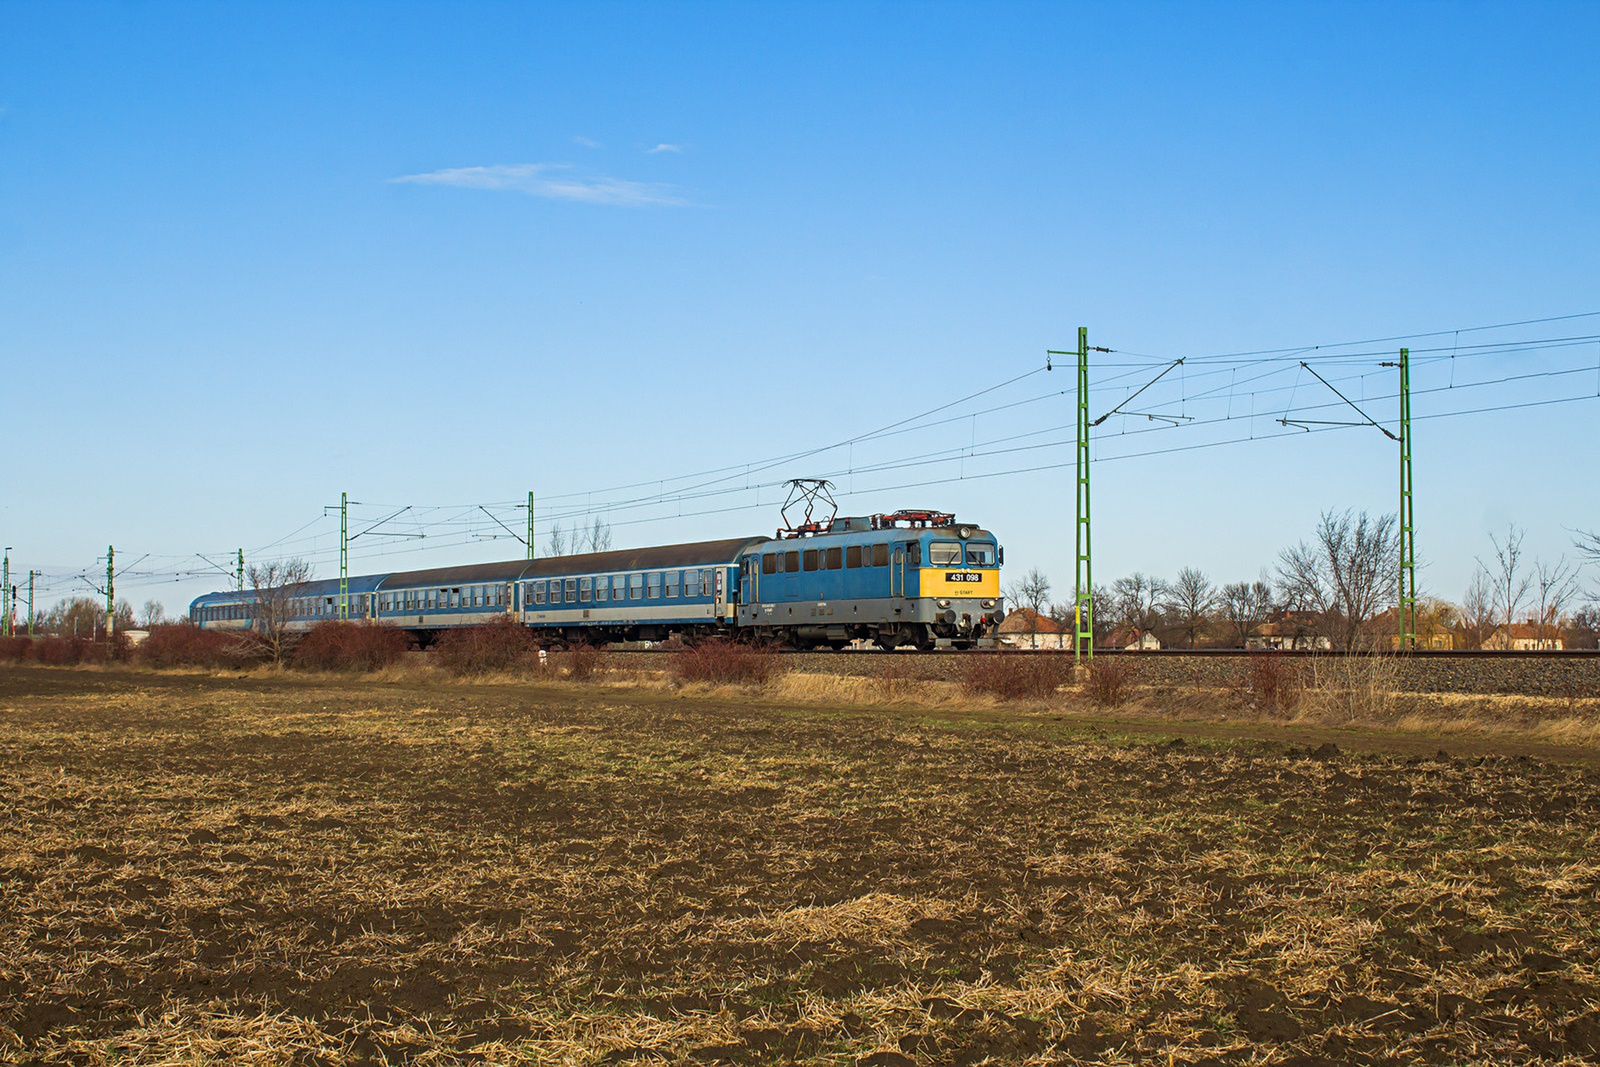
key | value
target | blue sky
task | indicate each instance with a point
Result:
(252, 256)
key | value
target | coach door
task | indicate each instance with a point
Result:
(897, 572)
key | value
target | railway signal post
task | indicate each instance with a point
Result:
(111, 590)
(530, 524)
(5, 594)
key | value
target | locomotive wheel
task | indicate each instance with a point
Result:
(924, 639)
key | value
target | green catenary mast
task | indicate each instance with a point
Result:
(1408, 529)
(1083, 582)
(530, 524)
(5, 595)
(31, 576)
(344, 557)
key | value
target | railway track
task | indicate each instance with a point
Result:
(1178, 653)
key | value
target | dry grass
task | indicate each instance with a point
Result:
(281, 870)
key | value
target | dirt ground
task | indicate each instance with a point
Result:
(262, 870)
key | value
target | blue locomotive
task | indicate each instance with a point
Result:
(912, 578)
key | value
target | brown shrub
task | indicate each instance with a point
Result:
(497, 646)
(186, 645)
(349, 646)
(1016, 675)
(67, 651)
(1269, 681)
(1110, 679)
(581, 663)
(16, 649)
(722, 662)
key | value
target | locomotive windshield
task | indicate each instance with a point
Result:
(980, 554)
(945, 554)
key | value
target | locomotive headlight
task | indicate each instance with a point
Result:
(944, 603)
(988, 603)
(966, 532)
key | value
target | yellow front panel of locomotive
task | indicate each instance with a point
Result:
(956, 582)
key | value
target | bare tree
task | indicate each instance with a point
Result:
(78, 617)
(1477, 610)
(274, 587)
(1245, 605)
(1555, 585)
(1136, 601)
(1347, 575)
(1508, 582)
(1588, 545)
(1032, 594)
(1189, 600)
(153, 614)
(560, 542)
(1065, 614)
(598, 537)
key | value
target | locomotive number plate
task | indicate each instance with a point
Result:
(963, 576)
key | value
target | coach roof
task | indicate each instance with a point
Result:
(658, 557)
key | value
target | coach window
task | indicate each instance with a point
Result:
(880, 555)
(769, 563)
(585, 590)
(852, 557)
(835, 558)
(619, 587)
(601, 584)
(635, 587)
(674, 580)
(808, 559)
(791, 562)
(571, 590)
(691, 583)
(536, 592)
(653, 585)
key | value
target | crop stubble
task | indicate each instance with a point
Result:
(325, 872)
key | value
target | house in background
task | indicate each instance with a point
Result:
(1131, 639)
(1025, 628)
(1525, 637)
(1434, 630)
(1289, 630)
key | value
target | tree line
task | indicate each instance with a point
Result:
(1337, 589)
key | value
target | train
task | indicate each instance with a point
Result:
(913, 578)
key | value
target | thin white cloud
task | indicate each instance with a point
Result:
(550, 180)
(663, 147)
(586, 142)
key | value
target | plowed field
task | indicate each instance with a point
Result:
(294, 871)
